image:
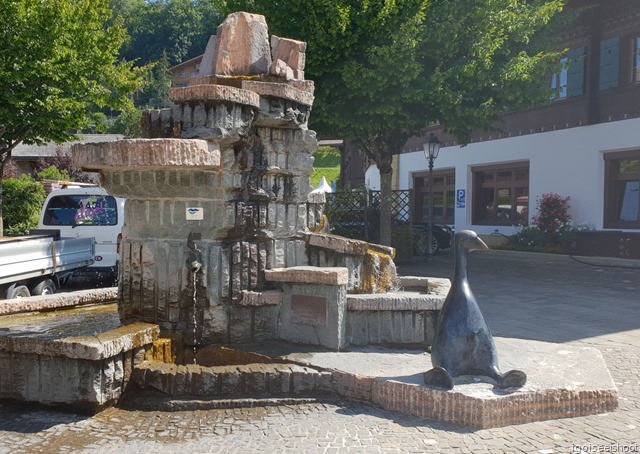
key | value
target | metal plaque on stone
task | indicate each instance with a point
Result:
(309, 310)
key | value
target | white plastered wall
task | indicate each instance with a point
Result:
(568, 162)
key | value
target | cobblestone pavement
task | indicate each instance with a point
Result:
(577, 305)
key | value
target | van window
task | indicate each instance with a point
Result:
(81, 209)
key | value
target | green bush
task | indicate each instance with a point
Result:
(52, 173)
(529, 238)
(22, 202)
(128, 123)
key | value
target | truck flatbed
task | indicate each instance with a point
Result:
(29, 260)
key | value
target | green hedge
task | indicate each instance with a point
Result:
(23, 200)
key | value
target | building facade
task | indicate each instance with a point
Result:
(584, 145)
(183, 72)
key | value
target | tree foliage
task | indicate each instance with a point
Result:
(59, 60)
(384, 69)
(59, 167)
(178, 28)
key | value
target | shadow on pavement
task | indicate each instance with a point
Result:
(546, 297)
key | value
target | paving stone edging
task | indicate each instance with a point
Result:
(215, 387)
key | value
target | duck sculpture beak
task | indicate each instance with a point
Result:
(468, 240)
(479, 245)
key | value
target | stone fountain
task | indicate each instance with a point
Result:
(218, 243)
(223, 261)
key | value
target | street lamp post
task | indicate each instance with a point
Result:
(431, 150)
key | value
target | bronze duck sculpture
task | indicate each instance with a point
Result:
(463, 344)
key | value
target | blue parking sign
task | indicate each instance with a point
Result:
(460, 198)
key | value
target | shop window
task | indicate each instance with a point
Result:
(609, 63)
(501, 195)
(622, 190)
(444, 197)
(570, 80)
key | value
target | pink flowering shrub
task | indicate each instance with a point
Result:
(553, 218)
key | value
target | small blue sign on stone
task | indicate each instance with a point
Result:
(194, 214)
(460, 198)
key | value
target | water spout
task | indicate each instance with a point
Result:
(194, 264)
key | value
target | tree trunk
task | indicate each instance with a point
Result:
(386, 172)
(380, 149)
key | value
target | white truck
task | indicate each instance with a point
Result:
(36, 264)
(87, 212)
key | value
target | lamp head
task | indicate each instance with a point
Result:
(432, 148)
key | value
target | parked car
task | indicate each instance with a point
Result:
(441, 238)
(87, 212)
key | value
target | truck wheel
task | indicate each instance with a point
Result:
(18, 291)
(45, 287)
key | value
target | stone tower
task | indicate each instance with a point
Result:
(219, 192)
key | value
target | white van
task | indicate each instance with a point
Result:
(85, 212)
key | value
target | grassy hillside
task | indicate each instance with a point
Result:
(326, 163)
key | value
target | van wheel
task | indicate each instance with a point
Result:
(17, 291)
(45, 287)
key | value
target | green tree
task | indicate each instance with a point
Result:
(384, 69)
(156, 91)
(59, 60)
(179, 28)
(128, 123)
(24, 198)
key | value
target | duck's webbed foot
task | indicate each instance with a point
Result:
(512, 379)
(438, 376)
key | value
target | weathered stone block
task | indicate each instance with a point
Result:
(265, 326)
(208, 59)
(230, 381)
(239, 324)
(145, 154)
(303, 380)
(278, 381)
(314, 314)
(210, 94)
(309, 274)
(279, 90)
(290, 51)
(255, 379)
(242, 46)
(206, 382)
(182, 382)
(266, 298)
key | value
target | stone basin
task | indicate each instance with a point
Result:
(42, 362)
(49, 326)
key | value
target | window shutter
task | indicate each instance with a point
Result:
(575, 73)
(609, 63)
